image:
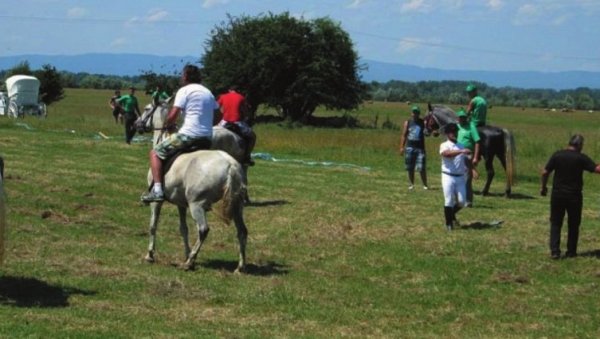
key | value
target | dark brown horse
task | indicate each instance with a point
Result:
(495, 143)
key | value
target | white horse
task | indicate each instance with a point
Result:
(223, 139)
(198, 180)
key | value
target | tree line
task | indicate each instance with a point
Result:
(453, 92)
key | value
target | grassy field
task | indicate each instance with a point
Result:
(338, 246)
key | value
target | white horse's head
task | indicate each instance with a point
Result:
(152, 120)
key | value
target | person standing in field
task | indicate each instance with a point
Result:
(469, 138)
(477, 108)
(412, 146)
(234, 109)
(131, 109)
(568, 166)
(454, 170)
(196, 104)
(116, 109)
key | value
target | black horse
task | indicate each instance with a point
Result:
(495, 142)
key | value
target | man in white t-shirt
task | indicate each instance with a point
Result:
(196, 104)
(454, 171)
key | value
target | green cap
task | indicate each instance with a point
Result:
(461, 113)
(415, 109)
(471, 88)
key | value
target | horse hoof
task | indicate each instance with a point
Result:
(188, 267)
(149, 259)
(240, 270)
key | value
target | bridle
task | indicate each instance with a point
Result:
(147, 120)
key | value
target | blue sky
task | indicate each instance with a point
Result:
(499, 35)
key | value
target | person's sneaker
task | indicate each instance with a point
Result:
(555, 256)
(425, 188)
(411, 187)
(449, 227)
(152, 197)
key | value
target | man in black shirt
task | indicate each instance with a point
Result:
(568, 166)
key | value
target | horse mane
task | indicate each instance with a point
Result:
(443, 115)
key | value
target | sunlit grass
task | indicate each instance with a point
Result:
(333, 250)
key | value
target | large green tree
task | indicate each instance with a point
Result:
(51, 89)
(291, 64)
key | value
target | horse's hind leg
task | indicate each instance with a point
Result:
(246, 196)
(183, 230)
(154, 215)
(489, 168)
(199, 216)
(242, 234)
(502, 159)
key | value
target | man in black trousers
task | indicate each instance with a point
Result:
(568, 166)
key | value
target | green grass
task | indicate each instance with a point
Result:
(333, 251)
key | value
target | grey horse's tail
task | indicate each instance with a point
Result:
(233, 193)
(511, 150)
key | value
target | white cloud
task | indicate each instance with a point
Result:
(408, 44)
(415, 6)
(526, 14)
(495, 4)
(118, 42)
(156, 15)
(560, 20)
(76, 12)
(356, 3)
(214, 3)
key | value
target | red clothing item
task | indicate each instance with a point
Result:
(231, 104)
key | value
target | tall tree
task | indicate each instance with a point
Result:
(51, 89)
(291, 64)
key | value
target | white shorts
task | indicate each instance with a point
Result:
(455, 190)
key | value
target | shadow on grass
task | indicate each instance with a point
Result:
(268, 269)
(478, 225)
(515, 196)
(31, 292)
(267, 203)
(591, 254)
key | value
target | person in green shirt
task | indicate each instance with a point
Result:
(469, 138)
(131, 111)
(159, 96)
(477, 108)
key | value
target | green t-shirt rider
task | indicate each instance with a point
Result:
(477, 108)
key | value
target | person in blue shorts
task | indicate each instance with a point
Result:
(412, 146)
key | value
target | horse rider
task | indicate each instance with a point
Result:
(454, 169)
(477, 108)
(234, 107)
(469, 138)
(196, 104)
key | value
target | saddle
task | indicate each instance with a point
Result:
(201, 144)
(234, 128)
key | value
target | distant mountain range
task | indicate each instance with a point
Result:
(135, 64)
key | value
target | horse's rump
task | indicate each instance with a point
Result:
(201, 172)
